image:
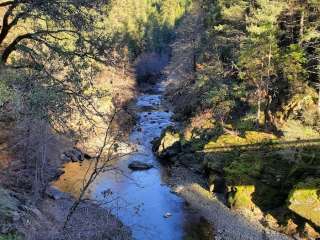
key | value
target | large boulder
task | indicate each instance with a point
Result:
(240, 197)
(225, 142)
(56, 194)
(168, 145)
(216, 183)
(304, 200)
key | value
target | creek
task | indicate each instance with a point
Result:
(141, 199)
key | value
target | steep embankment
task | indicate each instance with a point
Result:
(269, 182)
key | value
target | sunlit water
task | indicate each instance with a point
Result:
(143, 197)
(140, 199)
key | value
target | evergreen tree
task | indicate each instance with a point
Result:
(260, 53)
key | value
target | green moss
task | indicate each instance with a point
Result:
(225, 141)
(168, 139)
(304, 200)
(242, 197)
(243, 168)
(253, 137)
(294, 130)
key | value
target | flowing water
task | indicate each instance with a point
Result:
(141, 199)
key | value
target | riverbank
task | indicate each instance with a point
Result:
(32, 157)
(24, 217)
(225, 223)
(90, 221)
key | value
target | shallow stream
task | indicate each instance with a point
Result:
(141, 199)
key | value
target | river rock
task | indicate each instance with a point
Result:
(54, 193)
(75, 155)
(137, 165)
(216, 183)
(168, 145)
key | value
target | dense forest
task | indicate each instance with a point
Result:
(243, 80)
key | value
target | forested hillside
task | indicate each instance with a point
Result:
(250, 108)
(263, 56)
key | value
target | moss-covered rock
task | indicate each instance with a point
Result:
(253, 137)
(244, 168)
(240, 197)
(168, 145)
(216, 162)
(224, 142)
(304, 200)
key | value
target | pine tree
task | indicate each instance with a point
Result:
(260, 52)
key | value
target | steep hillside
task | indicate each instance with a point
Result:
(252, 132)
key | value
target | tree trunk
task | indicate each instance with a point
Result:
(268, 118)
(194, 63)
(319, 99)
(301, 27)
(259, 108)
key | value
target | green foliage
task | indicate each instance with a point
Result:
(6, 94)
(144, 25)
(58, 49)
(217, 98)
(259, 53)
(293, 64)
(10, 237)
(272, 46)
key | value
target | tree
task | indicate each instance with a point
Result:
(53, 51)
(260, 52)
(56, 48)
(67, 21)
